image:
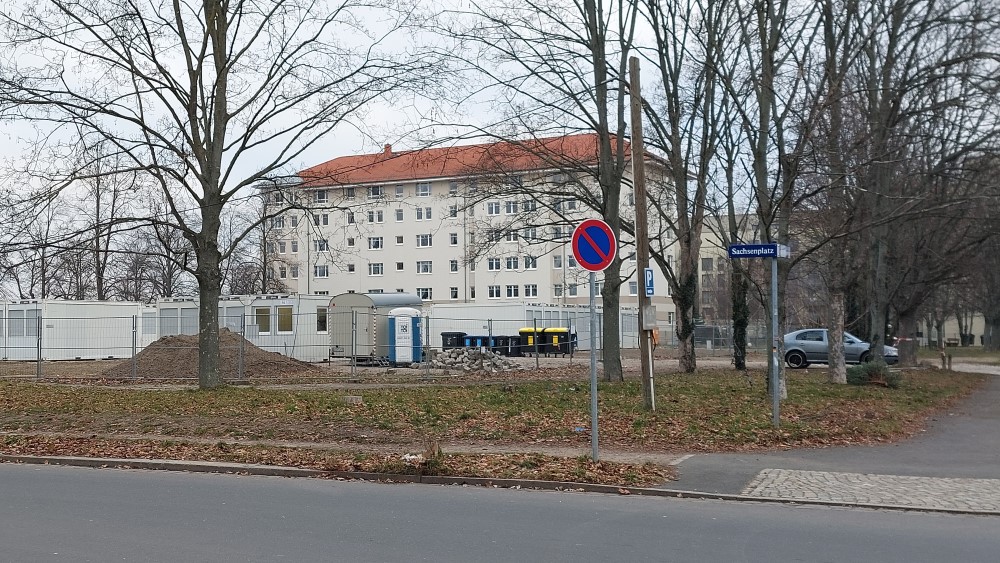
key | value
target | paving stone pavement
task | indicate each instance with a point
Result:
(977, 495)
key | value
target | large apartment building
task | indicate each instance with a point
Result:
(476, 223)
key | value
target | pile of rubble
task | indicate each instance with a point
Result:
(473, 359)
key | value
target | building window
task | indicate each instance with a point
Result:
(424, 241)
(425, 293)
(494, 292)
(424, 190)
(375, 290)
(284, 314)
(278, 222)
(557, 233)
(571, 262)
(399, 215)
(453, 265)
(282, 272)
(493, 264)
(454, 292)
(350, 268)
(530, 263)
(350, 218)
(399, 239)
(262, 318)
(281, 247)
(453, 239)
(530, 290)
(453, 188)
(375, 243)
(472, 266)
(375, 269)
(278, 197)
(295, 221)
(472, 292)
(511, 236)
(295, 247)
(400, 267)
(321, 324)
(529, 234)
(322, 245)
(557, 290)
(452, 211)
(706, 264)
(529, 205)
(349, 193)
(571, 205)
(323, 219)
(321, 196)
(350, 241)
(294, 272)
(598, 287)
(557, 261)
(512, 291)
(493, 208)
(321, 271)
(399, 192)
(512, 262)
(424, 266)
(423, 214)
(572, 290)
(375, 192)
(633, 288)
(375, 216)
(510, 207)
(271, 247)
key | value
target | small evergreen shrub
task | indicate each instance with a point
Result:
(873, 373)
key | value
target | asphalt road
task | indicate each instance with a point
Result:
(50, 513)
(961, 442)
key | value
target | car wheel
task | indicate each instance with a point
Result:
(866, 357)
(796, 359)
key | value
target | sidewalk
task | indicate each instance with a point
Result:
(953, 464)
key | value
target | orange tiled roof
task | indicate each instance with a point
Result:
(457, 161)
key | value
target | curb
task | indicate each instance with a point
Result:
(564, 486)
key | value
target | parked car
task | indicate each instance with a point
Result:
(808, 346)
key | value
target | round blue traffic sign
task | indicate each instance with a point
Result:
(594, 245)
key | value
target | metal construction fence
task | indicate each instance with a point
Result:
(141, 346)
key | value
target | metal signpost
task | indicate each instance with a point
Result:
(772, 251)
(594, 247)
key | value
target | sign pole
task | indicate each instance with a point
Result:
(772, 251)
(595, 247)
(775, 392)
(593, 367)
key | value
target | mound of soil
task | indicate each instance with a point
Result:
(177, 357)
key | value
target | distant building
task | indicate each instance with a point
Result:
(452, 224)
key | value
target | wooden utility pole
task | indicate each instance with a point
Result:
(647, 314)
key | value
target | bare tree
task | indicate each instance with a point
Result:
(558, 68)
(204, 98)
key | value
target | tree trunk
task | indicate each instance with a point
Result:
(611, 350)
(209, 276)
(908, 325)
(684, 300)
(991, 334)
(741, 316)
(836, 366)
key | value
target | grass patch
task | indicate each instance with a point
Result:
(713, 410)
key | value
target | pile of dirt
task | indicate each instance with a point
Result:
(177, 357)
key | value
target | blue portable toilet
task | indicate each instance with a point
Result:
(405, 345)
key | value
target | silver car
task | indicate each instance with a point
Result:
(808, 346)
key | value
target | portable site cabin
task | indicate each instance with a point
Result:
(359, 322)
(56, 329)
(292, 325)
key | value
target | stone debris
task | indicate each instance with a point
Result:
(473, 359)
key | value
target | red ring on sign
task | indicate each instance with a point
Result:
(586, 245)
